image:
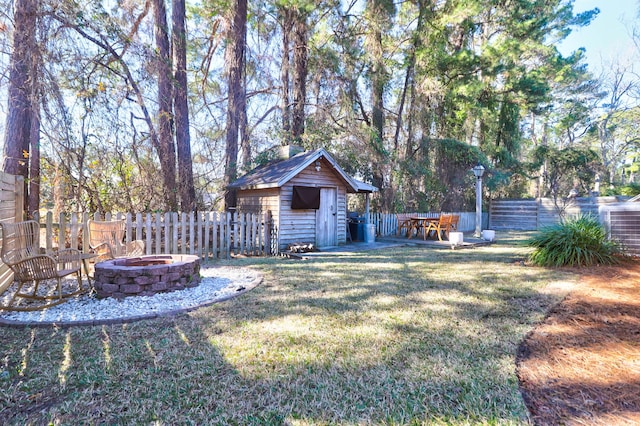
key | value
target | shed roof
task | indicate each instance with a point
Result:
(277, 174)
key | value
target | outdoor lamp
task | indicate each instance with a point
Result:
(317, 165)
(478, 171)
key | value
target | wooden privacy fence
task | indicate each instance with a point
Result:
(209, 235)
(533, 214)
(11, 209)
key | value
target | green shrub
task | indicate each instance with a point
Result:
(630, 190)
(576, 242)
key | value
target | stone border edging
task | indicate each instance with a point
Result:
(125, 320)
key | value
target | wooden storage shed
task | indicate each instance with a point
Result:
(306, 195)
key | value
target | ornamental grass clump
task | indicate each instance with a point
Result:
(576, 242)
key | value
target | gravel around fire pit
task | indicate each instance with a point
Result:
(217, 284)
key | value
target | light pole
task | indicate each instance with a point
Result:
(478, 171)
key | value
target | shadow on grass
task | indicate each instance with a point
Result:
(390, 337)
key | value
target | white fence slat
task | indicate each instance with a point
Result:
(139, 227)
(174, 232)
(207, 230)
(227, 234)
(192, 234)
(199, 224)
(49, 233)
(158, 233)
(166, 225)
(216, 227)
(62, 230)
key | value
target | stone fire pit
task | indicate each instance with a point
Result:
(146, 275)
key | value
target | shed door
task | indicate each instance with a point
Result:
(326, 218)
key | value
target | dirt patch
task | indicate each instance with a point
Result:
(582, 365)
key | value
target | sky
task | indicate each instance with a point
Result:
(608, 35)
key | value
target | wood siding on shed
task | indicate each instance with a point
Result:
(300, 225)
(259, 201)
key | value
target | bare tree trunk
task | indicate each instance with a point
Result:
(59, 191)
(33, 199)
(234, 60)
(245, 143)
(378, 81)
(284, 73)
(300, 56)
(20, 108)
(181, 106)
(166, 152)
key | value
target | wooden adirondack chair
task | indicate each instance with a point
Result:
(106, 239)
(38, 274)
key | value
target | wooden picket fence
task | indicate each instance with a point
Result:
(209, 235)
(387, 224)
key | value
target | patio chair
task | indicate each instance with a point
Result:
(455, 219)
(106, 239)
(43, 271)
(442, 226)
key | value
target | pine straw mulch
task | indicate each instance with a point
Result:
(582, 364)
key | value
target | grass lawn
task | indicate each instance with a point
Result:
(410, 335)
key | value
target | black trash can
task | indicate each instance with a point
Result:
(356, 228)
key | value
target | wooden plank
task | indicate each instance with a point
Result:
(62, 231)
(242, 232)
(214, 242)
(255, 232)
(139, 227)
(207, 229)
(74, 230)
(199, 242)
(174, 236)
(148, 225)
(183, 232)
(19, 201)
(6, 278)
(230, 232)
(158, 233)
(192, 234)
(168, 236)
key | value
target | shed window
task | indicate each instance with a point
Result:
(305, 197)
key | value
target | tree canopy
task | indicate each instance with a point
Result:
(155, 105)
